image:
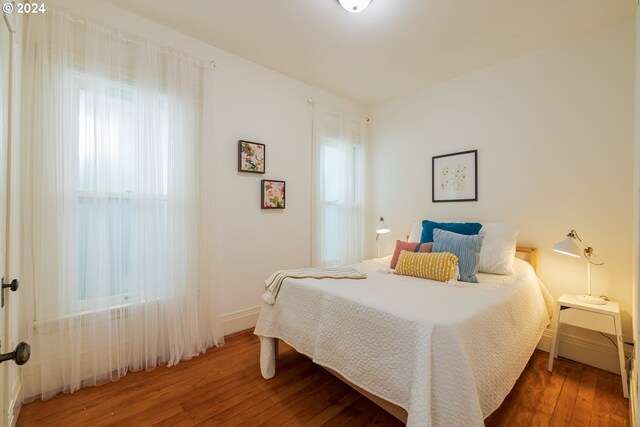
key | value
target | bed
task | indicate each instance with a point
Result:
(432, 354)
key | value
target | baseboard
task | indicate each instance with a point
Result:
(240, 320)
(584, 350)
(15, 404)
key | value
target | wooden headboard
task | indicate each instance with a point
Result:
(528, 254)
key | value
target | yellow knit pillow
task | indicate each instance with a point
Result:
(435, 266)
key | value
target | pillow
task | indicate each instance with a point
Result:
(498, 248)
(441, 267)
(409, 247)
(466, 248)
(466, 228)
(416, 232)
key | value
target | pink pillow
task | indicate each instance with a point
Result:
(401, 245)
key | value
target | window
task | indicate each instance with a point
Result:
(111, 235)
(338, 158)
(122, 177)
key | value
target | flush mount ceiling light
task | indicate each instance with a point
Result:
(354, 6)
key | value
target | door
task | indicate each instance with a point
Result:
(6, 40)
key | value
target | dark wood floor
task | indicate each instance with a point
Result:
(224, 388)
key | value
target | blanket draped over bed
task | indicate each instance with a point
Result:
(273, 283)
(447, 354)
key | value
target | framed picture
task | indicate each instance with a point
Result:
(251, 157)
(454, 177)
(273, 194)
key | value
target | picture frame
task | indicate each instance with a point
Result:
(454, 177)
(251, 157)
(273, 194)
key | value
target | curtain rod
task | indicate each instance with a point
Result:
(322, 107)
(131, 38)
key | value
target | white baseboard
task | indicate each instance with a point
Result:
(584, 350)
(15, 404)
(240, 320)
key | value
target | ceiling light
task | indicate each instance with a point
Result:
(354, 6)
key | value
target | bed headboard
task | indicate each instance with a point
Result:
(528, 254)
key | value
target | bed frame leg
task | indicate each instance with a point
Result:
(268, 352)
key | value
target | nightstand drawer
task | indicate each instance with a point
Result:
(587, 319)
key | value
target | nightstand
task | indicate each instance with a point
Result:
(603, 318)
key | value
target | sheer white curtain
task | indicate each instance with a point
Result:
(110, 174)
(338, 193)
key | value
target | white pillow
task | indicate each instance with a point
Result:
(498, 248)
(416, 232)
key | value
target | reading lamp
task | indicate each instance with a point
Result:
(573, 245)
(382, 229)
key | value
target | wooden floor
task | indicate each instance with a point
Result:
(224, 388)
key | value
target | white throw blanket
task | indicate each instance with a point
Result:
(273, 283)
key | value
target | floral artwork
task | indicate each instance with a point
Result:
(273, 194)
(251, 157)
(455, 177)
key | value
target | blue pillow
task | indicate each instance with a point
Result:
(466, 248)
(466, 228)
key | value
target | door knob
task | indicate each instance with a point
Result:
(20, 355)
(13, 286)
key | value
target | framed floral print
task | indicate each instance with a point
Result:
(273, 194)
(454, 177)
(251, 157)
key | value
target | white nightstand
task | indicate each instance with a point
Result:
(603, 318)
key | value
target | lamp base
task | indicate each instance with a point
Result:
(589, 299)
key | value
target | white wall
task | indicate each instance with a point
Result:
(554, 133)
(255, 104)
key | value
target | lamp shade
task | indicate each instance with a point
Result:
(569, 246)
(382, 227)
(354, 6)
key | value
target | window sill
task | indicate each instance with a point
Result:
(87, 317)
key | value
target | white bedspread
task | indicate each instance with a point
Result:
(448, 354)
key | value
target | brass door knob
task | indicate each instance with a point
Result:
(13, 286)
(20, 355)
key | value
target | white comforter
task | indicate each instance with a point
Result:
(448, 354)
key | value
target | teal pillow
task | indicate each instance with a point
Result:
(466, 228)
(466, 248)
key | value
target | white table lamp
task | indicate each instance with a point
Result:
(382, 229)
(573, 246)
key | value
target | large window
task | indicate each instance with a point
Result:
(111, 236)
(114, 186)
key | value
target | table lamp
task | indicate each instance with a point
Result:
(573, 246)
(382, 229)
